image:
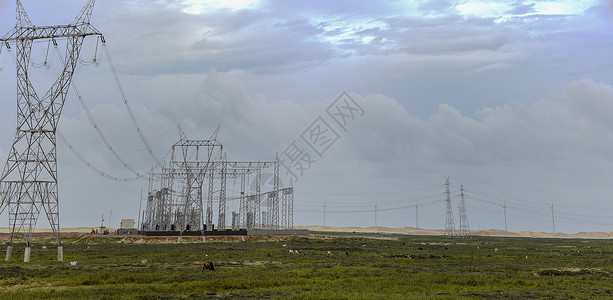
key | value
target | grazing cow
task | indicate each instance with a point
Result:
(73, 263)
(329, 253)
(208, 265)
(420, 248)
(44, 247)
(347, 253)
(291, 251)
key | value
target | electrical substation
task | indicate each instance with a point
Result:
(29, 182)
(175, 200)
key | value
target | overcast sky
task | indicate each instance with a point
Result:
(512, 99)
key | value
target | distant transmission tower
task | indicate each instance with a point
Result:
(504, 207)
(417, 214)
(449, 224)
(553, 220)
(324, 213)
(29, 181)
(375, 214)
(464, 230)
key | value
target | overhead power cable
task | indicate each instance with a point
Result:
(100, 134)
(373, 194)
(104, 139)
(127, 105)
(6, 56)
(92, 121)
(98, 171)
(93, 168)
(120, 50)
(370, 210)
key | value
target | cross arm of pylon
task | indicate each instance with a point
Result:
(50, 32)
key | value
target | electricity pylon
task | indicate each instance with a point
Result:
(449, 224)
(464, 230)
(29, 181)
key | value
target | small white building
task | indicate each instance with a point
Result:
(127, 224)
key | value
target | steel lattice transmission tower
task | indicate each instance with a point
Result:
(464, 230)
(449, 224)
(29, 181)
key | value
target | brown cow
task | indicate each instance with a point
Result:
(208, 265)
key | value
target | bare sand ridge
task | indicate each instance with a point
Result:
(62, 230)
(398, 230)
(488, 232)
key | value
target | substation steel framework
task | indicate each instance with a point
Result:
(180, 192)
(29, 181)
(178, 202)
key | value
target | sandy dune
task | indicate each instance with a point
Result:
(62, 230)
(488, 232)
(399, 230)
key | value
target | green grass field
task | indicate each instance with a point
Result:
(377, 267)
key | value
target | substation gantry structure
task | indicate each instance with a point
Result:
(175, 200)
(29, 181)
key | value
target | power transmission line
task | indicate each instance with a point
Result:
(127, 105)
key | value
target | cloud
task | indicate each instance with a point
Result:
(406, 50)
(279, 40)
(511, 148)
(561, 128)
(522, 9)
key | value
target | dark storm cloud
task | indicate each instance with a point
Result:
(276, 40)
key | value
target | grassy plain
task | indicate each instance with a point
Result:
(362, 266)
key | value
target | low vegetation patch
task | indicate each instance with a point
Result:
(331, 266)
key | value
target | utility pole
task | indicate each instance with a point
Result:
(449, 224)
